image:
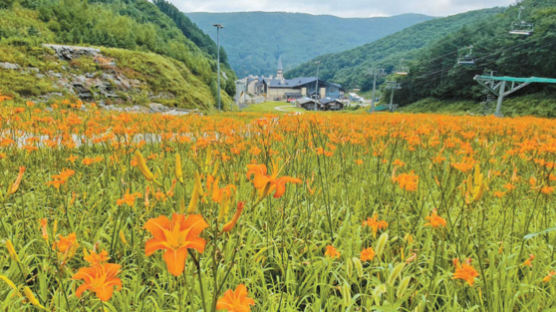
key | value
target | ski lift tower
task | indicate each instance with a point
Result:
(392, 86)
(521, 27)
(376, 72)
(497, 85)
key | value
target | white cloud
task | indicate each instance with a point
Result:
(344, 8)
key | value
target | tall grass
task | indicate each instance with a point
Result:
(490, 179)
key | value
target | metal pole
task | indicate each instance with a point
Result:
(317, 86)
(218, 27)
(498, 112)
(392, 98)
(374, 92)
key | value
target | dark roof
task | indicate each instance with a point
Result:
(305, 100)
(329, 100)
(296, 82)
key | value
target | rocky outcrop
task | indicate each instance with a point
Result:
(9, 66)
(90, 85)
(68, 53)
(92, 76)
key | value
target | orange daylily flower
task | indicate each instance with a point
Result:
(99, 278)
(128, 199)
(367, 254)
(62, 178)
(230, 225)
(331, 252)
(549, 276)
(175, 236)
(44, 232)
(94, 259)
(66, 246)
(265, 183)
(529, 261)
(72, 158)
(465, 271)
(547, 190)
(235, 300)
(218, 194)
(435, 220)
(87, 161)
(407, 181)
(375, 224)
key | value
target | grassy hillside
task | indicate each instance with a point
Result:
(436, 71)
(538, 104)
(153, 50)
(255, 40)
(352, 68)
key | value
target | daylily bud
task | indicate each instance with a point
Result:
(142, 164)
(179, 172)
(230, 225)
(15, 185)
(11, 251)
(32, 299)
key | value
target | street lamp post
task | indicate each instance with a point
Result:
(317, 85)
(218, 27)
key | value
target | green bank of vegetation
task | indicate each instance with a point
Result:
(151, 43)
(437, 73)
(538, 104)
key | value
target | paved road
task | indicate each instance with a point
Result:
(284, 108)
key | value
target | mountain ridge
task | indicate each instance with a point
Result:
(255, 40)
(351, 68)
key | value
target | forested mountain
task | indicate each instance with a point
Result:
(436, 72)
(190, 29)
(172, 58)
(255, 40)
(352, 68)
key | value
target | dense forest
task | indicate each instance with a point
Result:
(128, 24)
(255, 40)
(436, 72)
(190, 30)
(353, 68)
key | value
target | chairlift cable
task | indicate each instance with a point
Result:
(481, 58)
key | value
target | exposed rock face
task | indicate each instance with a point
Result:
(68, 53)
(103, 83)
(9, 66)
(87, 85)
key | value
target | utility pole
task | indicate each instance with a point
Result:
(375, 75)
(317, 85)
(218, 27)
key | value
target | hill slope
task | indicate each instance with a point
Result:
(437, 73)
(351, 68)
(162, 64)
(255, 40)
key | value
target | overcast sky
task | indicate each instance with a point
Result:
(343, 8)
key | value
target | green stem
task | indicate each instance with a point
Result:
(200, 278)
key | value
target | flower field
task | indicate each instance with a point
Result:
(252, 212)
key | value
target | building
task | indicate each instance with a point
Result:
(279, 88)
